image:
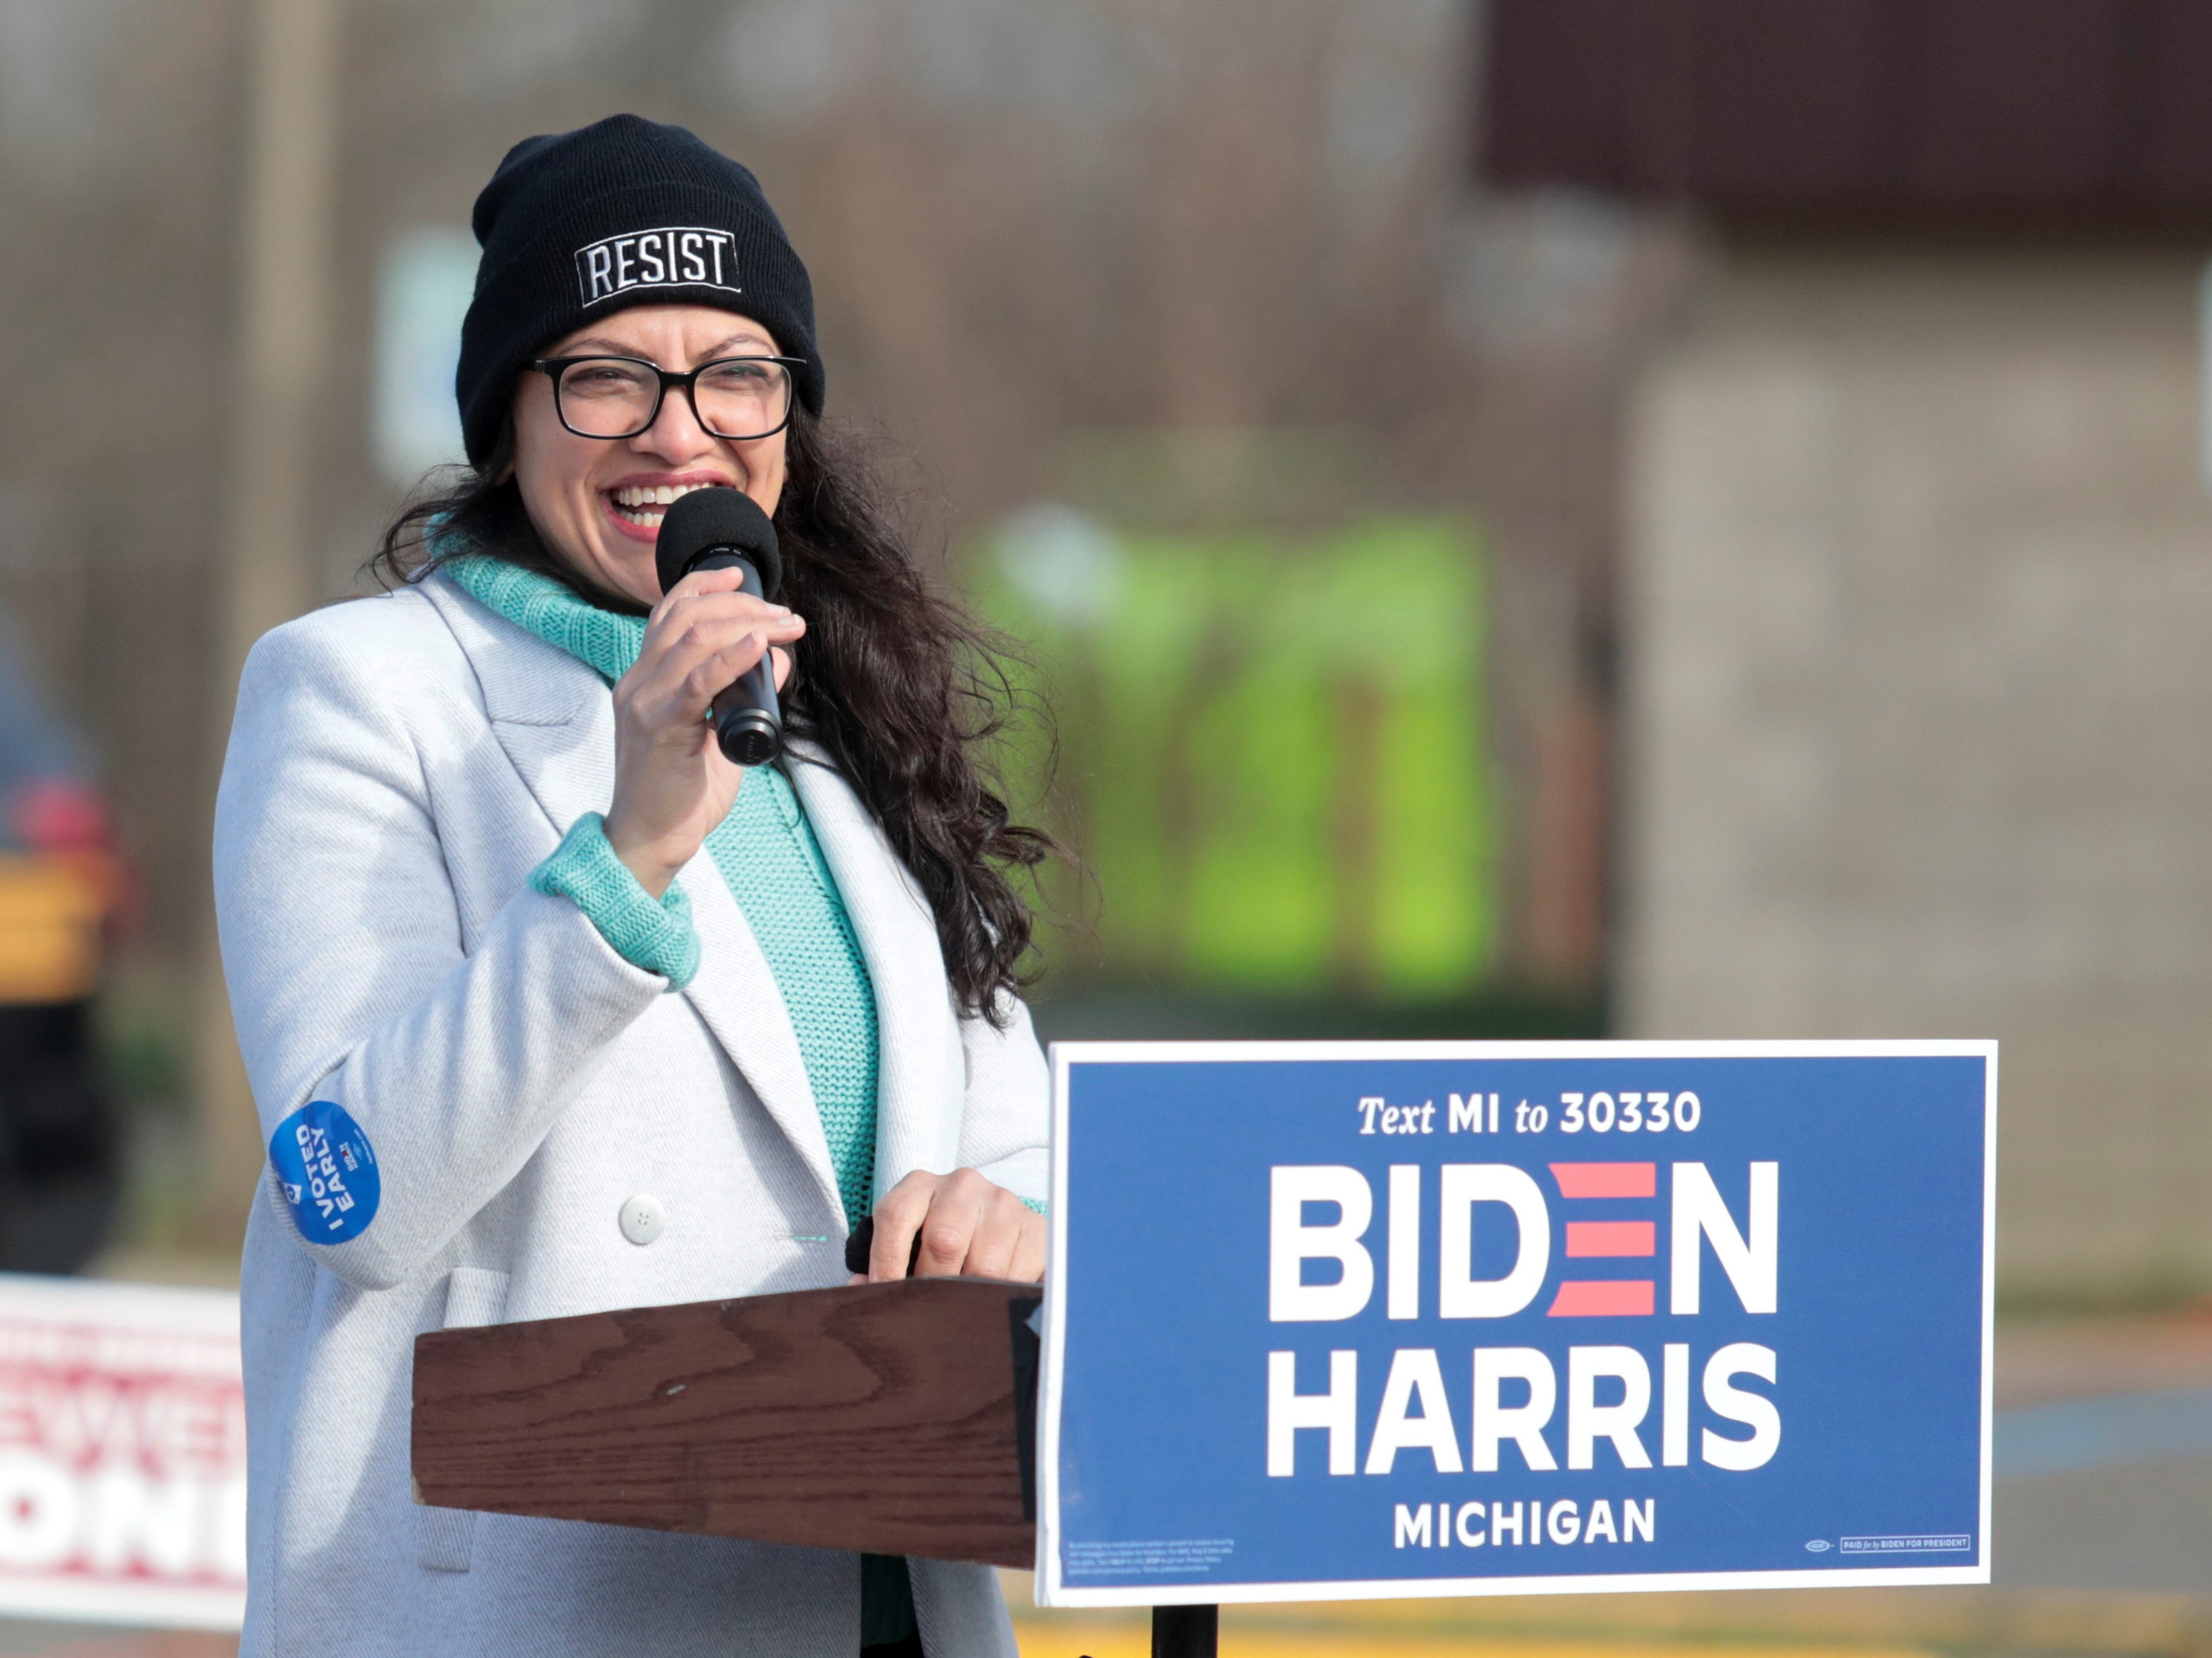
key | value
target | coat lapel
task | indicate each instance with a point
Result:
(920, 1074)
(553, 718)
(550, 712)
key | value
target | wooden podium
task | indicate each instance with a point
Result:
(891, 1419)
(888, 1419)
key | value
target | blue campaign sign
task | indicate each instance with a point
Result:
(1351, 1320)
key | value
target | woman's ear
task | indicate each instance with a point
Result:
(499, 464)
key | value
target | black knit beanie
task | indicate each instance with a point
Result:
(577, 225)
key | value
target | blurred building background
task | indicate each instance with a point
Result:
(1914, 538)
(1549, 517)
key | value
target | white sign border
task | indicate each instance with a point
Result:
(1050, 1591)
(118, 1603)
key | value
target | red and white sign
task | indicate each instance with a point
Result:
(122, 1454)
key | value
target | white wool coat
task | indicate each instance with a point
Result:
(398, 767)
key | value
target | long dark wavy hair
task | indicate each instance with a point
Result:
(897, 685)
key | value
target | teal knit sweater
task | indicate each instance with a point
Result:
(765, 850)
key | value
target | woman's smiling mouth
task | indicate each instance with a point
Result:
(642, 506)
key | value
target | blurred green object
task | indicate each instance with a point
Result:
(1273, 748)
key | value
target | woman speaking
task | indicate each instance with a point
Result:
(548, 1007)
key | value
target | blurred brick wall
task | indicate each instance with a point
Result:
(1918, 697)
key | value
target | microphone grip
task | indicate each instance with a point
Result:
(862, 1239)
(748, 720)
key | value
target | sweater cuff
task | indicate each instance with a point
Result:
(655, 937)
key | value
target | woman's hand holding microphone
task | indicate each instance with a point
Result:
(672, 783)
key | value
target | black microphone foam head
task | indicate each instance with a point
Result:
(720, 520)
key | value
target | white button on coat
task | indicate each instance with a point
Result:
(642, 1217)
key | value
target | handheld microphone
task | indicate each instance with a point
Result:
(723, 529)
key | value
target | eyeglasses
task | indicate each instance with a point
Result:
(734, 397)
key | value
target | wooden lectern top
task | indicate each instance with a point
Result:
(892, 1418)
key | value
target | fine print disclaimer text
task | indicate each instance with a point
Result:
(1177, 1556)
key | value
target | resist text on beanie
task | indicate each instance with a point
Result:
(677, 256)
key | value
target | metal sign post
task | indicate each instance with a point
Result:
(1185, 1631)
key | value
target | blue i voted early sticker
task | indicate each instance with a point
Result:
(328, 1172)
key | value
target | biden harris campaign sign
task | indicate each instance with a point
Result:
(1334, 1320)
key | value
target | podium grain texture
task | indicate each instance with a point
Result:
(885, 1418)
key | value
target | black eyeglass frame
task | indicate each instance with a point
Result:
(554, 367)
